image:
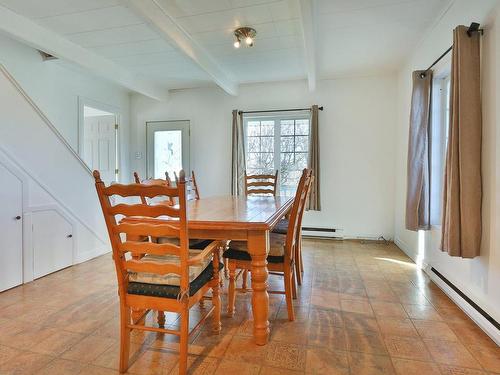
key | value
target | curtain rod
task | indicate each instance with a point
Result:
(280, 110)
(474, 27)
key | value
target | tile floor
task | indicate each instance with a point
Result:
(363, 309)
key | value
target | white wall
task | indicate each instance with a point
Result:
(55, 87)
(478, 278)
(53, 178)
(357, 138)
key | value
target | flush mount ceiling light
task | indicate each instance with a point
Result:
(245, 34)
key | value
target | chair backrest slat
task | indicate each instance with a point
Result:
(138, 229)
(136, 247)
(140, 210)
(135, 265)
(257, 183)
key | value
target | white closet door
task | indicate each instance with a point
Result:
(52, 243)
(11, 230)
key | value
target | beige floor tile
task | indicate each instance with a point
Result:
(365, 341)
(388, 309)
(429, 329)
(410, 367)
(154, 362)
(451, 353)
(328, 362)
(24, 363)
(325, 336)
(61, 367)
(422, 312)
(199, 365)
(356, 306)
(368, 364)
(407, 347)
(488, 357)
(240, 368)
(286, 356)
(397, 327)
(454, 370)
(88, 349)
(243, 349)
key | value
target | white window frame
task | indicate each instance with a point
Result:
(438, 141)
(277, 117)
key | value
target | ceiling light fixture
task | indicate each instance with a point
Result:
(244, 33)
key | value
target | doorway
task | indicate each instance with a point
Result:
(98, 144)
(167, 144)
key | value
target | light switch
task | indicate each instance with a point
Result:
(138, 155)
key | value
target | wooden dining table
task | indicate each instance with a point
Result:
(245, 218)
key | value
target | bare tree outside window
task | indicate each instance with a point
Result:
(280, 142)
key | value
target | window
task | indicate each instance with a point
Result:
(440, 115)
(278, 142)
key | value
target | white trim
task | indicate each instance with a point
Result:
(160, 18)
(83, 257)
(484, 324)
(29, 32)
(44, 118)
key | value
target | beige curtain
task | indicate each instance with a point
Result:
(462, 193)
(238, 166)
(313, 161)
(418, 171)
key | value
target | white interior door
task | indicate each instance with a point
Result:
(99, 145)
(52, 243)
(11, 224)
(167, 148)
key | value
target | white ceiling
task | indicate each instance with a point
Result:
(352, 37)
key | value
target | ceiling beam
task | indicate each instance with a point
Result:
(308, 35)
(161, 19)
(32, 34)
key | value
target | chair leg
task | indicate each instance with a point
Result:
(216, 302)
(300, 256)
(288, 293)
(298, 263)
(124, 337)
(183, 345)
(244, 284)
(294, 284)
(232, 288)
(161, 319)
(226, 268)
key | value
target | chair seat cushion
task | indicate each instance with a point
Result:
(243, 255)
(276, 245)
(281, 227)
(194, 243)
(169, 278)
(172, 291)
(239, 250)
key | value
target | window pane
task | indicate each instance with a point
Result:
(267, 161)
(253, 128)
(302, 127)
(287, 144)
(253, 160)
(267, 128)
(287, 127)
(167, 152)
(301, 143)
(301, 160)
(253, 144)
(267, 144)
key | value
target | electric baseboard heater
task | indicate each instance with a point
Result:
(321, 232)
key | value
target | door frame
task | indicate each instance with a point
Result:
(186, 153)
(86, 102)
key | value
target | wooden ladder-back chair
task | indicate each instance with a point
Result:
(157, 182)
(192, 183)
(282, 228)
(281, 254)
(261, 183)
(152, 276)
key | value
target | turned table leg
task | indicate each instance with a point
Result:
(258, 243)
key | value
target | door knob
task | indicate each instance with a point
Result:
(70, 235)
(18, 217)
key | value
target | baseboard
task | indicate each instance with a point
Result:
(483, 323)
(88, 255)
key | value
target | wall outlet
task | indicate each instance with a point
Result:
(138, 155)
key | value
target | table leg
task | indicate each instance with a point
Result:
(258, 243)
